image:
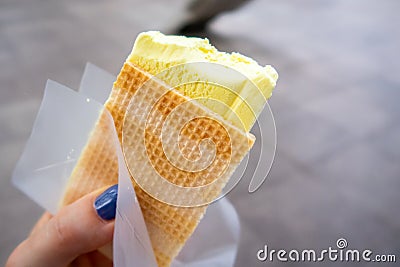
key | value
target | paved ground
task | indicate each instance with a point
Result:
(337, 171)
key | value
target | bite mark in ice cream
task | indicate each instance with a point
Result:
(156, 53)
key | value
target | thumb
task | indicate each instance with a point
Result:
(78, 228)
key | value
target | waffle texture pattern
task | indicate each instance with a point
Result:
(164, 135)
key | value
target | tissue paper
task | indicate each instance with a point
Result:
(62, 128)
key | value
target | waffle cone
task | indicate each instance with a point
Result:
(150, 152)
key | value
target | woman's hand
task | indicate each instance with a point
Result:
(73, 235)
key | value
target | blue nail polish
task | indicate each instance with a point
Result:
(106, 203)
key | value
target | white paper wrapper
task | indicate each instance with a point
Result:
(61, 130)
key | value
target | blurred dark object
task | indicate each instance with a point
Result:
(201, 12)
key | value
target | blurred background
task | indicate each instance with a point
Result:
(337, 167)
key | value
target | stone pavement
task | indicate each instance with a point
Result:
(336, 106)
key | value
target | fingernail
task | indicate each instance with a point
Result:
(106, 203)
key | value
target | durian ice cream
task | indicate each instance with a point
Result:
(155, 53)
(224, 115)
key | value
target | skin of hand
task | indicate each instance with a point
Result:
(72, 236)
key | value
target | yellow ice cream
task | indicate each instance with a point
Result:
(236, 87)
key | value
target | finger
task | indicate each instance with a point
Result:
(41, 222)
(93, 258)
(99, 260)
(75, 230)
